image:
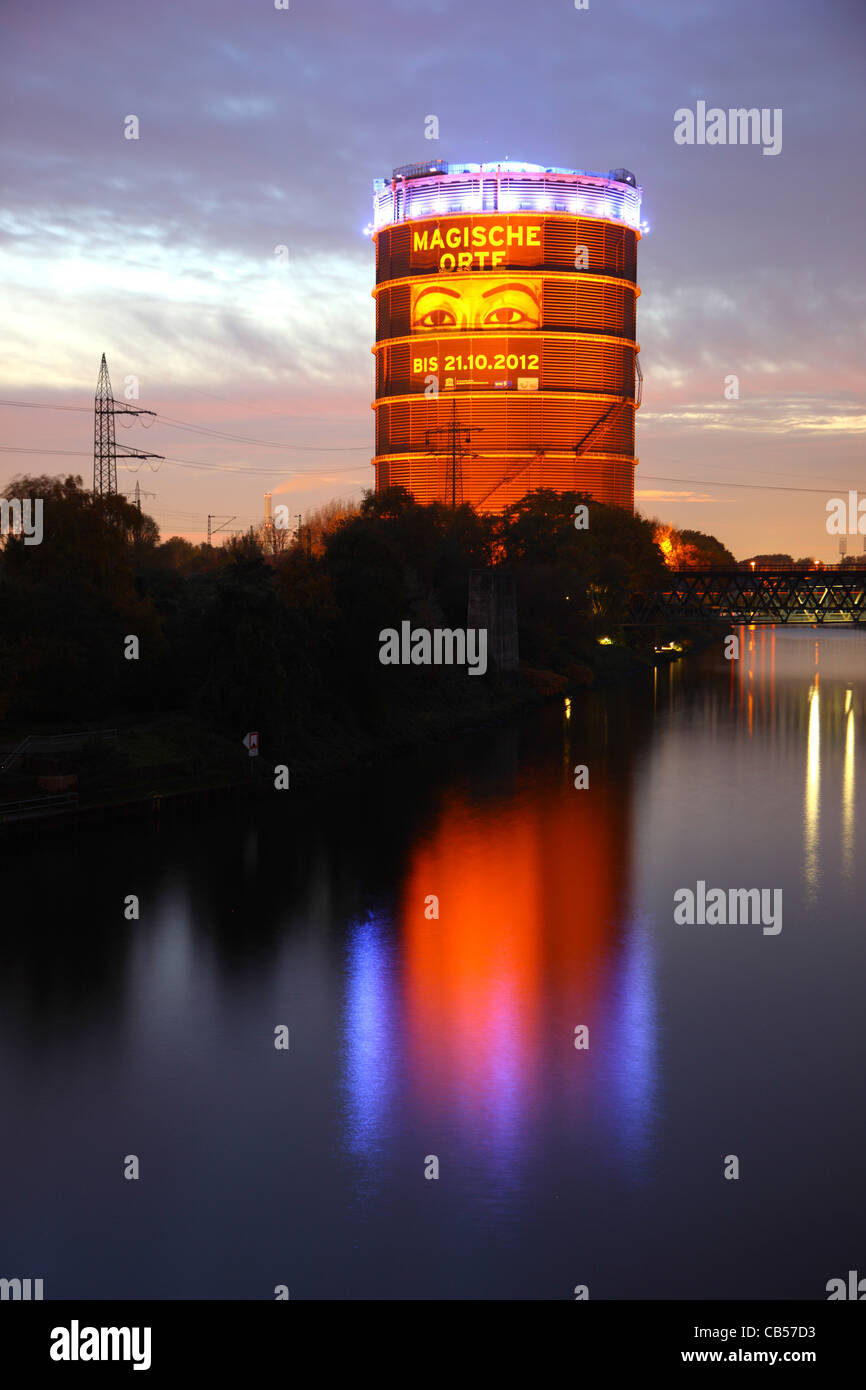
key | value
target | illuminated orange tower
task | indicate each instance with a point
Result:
(505, 331)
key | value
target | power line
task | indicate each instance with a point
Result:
(191, 463)
(43, 405)
(360, 448)
(71, 453)
(270, 472)
(255, 409)
(216, 434)
(311, 473)
(297, 472)
(263, 443)
(761, 487)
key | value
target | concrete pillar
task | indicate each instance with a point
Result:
(493, 604)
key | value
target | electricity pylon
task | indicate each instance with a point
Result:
(104, 442)
(455, 455)
(211, 529)
(139, 493)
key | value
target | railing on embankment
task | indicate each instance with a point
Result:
(33, 812)
(47, 743)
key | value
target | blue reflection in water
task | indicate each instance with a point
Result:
(495, 1100)
(370, 1043)
(633, 1058)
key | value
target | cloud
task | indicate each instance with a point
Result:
(670, 495)
(263, 128)
(840, 417)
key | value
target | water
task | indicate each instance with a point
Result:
(413, 1037)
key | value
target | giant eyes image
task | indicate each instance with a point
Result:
(511, 305)
(436, 318)
(475, 302)
(509, 316)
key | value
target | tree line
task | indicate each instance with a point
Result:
(260, 633)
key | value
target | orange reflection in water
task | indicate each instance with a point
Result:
(527, 904)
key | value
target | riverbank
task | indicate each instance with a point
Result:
(163, 764)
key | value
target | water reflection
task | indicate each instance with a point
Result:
(520, 919)
(447, 1027)
(813, 789)
(793, 691)
(848, 790)
(472, 979)
(514, 931)
(633, 1060)
(370, 1034)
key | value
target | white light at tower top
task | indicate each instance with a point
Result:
(419, 191)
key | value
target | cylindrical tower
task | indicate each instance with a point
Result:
(505, 351)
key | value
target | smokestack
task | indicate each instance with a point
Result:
(268, 516)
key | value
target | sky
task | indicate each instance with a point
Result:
(262, 128)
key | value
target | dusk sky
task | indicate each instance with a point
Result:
(262, 128)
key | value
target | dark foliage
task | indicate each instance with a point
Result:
(289, 642)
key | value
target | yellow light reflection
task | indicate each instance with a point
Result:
(813, 787)
(848, 792)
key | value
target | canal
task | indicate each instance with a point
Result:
(510, 1072)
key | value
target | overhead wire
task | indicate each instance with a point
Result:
(190, 425)
(340, 448)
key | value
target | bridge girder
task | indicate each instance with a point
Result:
(759, 596)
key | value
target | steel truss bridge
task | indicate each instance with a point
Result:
(757, 596)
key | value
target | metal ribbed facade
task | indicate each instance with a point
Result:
(505, 332)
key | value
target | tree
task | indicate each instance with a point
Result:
(271, 540)
(178, 554)
(769, 562)
(244, 684)
(709, 549)
(574, 582)
(324, 520)
(67, 604)
(691, 549)
(388, 504)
